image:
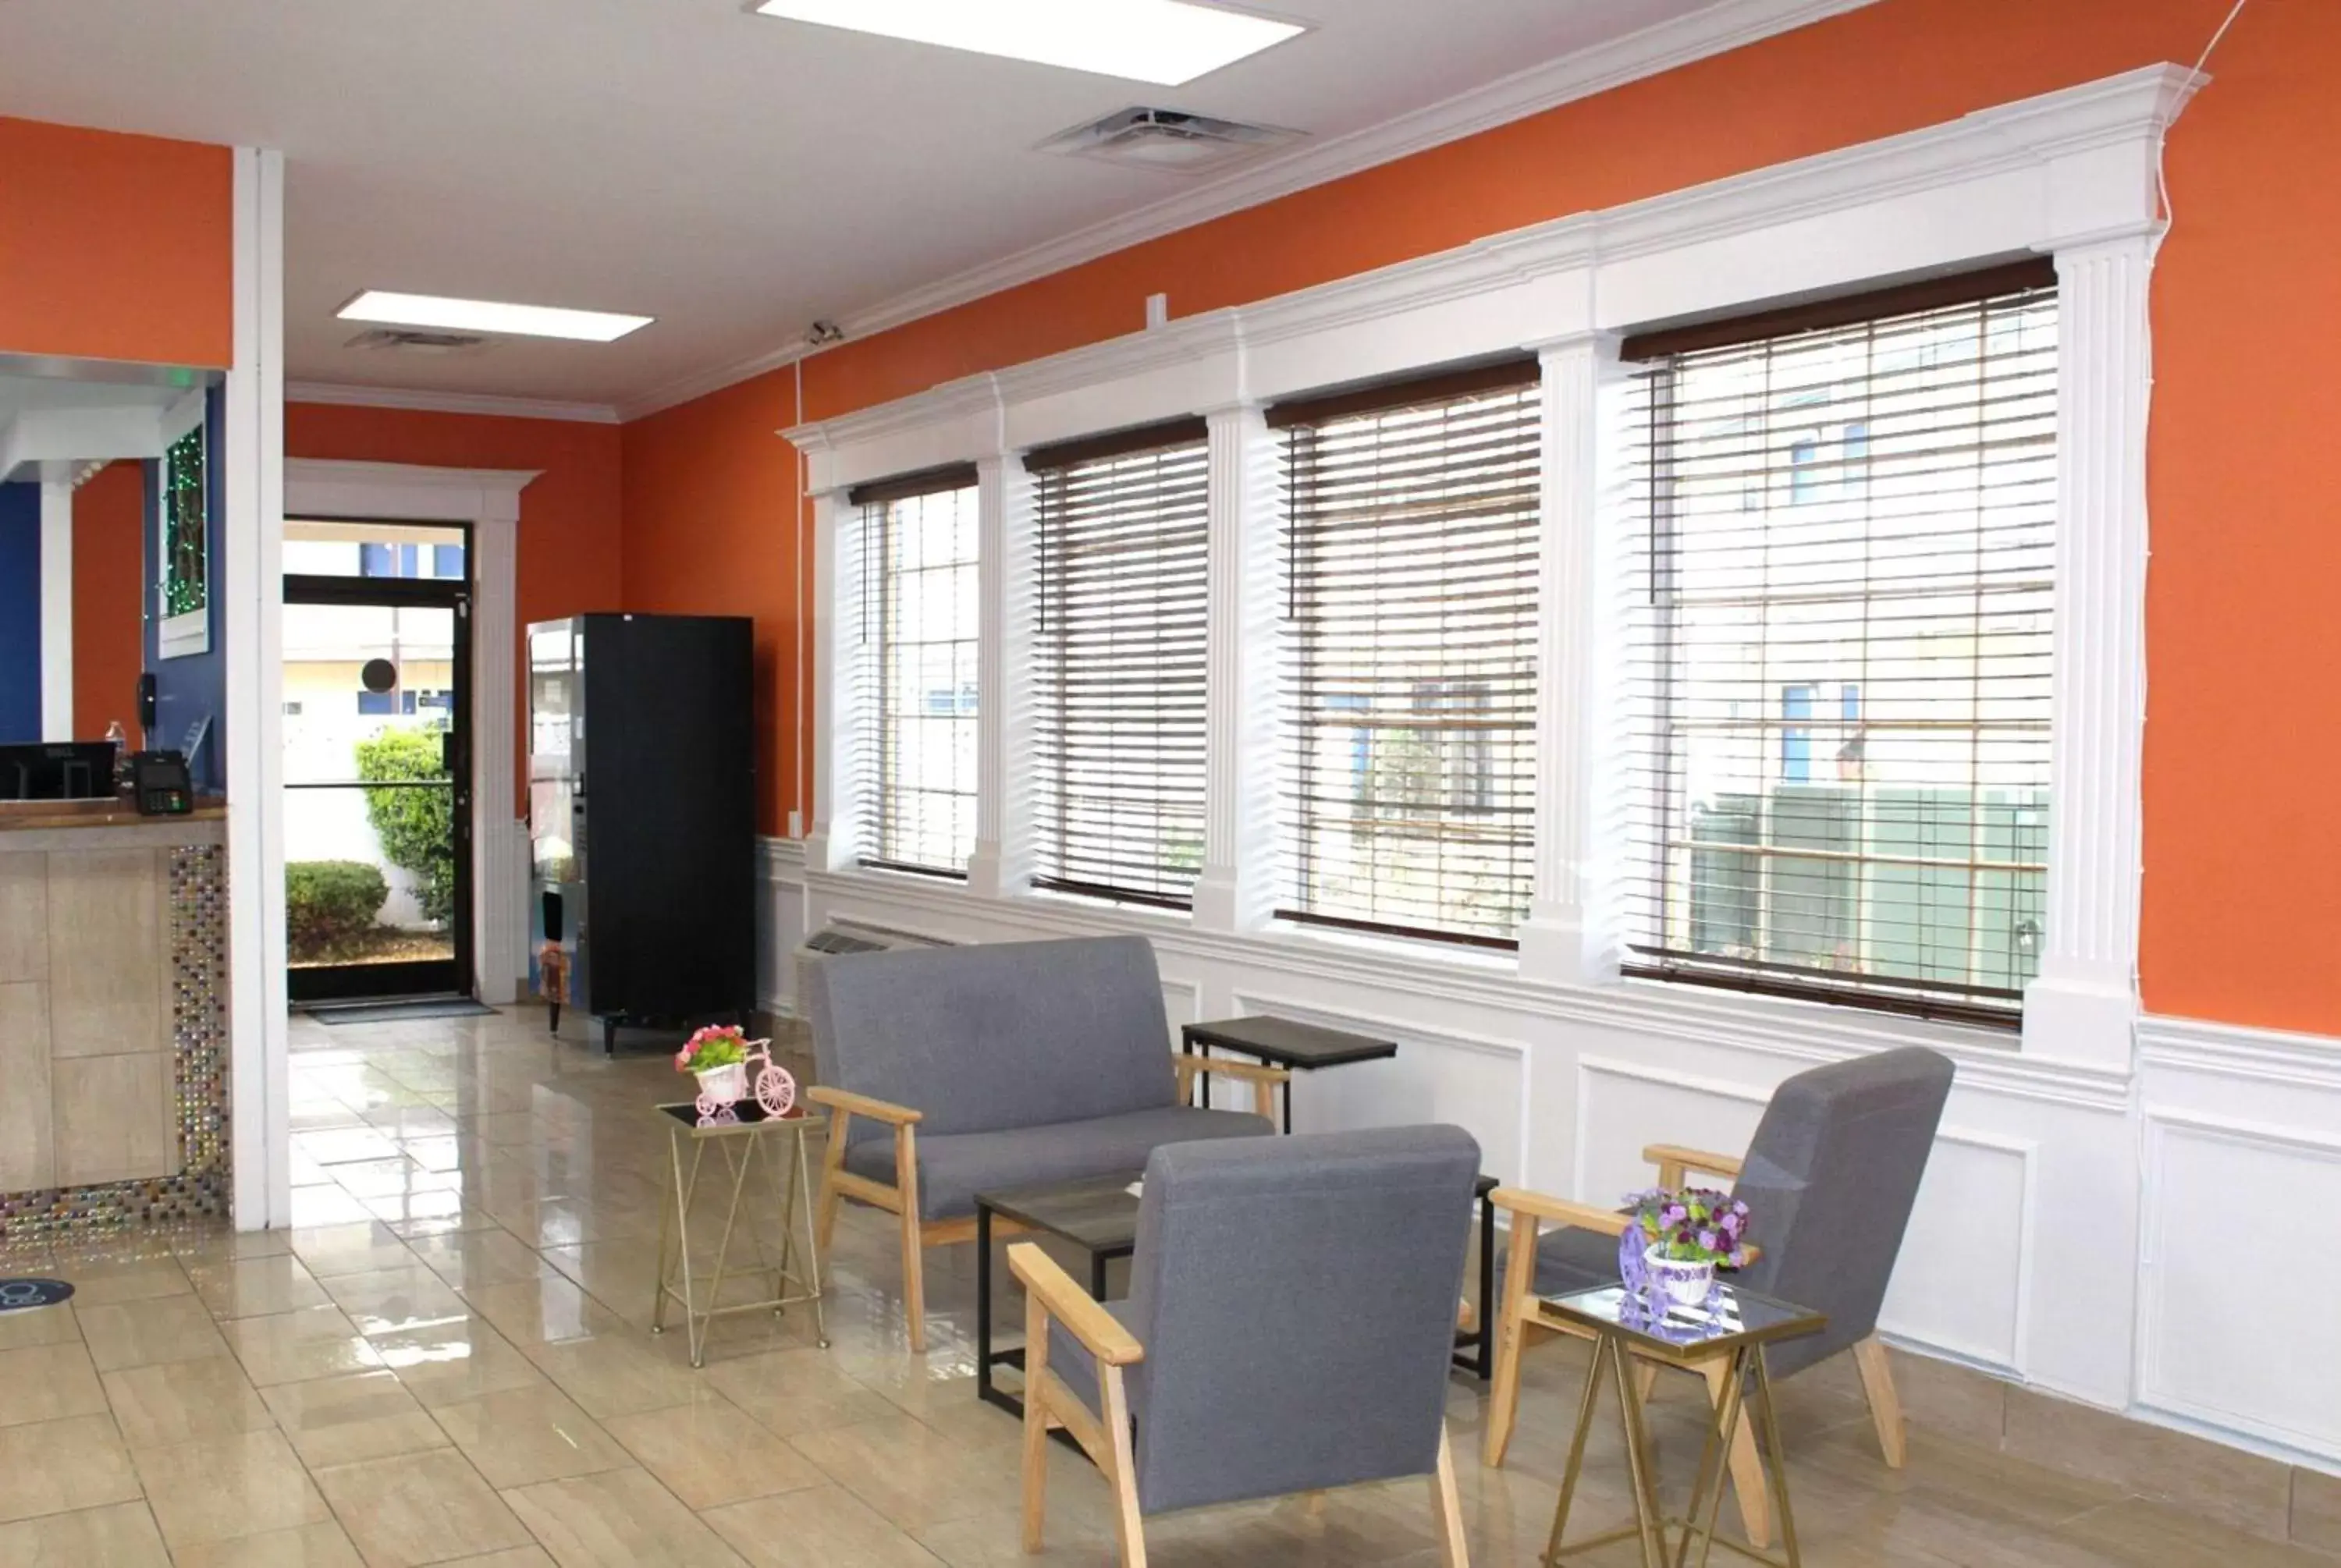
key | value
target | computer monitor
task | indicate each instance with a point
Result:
(60, 770)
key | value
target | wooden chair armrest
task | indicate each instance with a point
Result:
(1674, 1161)
(1187, 1066)
(1559, 1211)
(855, 1104)
(1054, 1289)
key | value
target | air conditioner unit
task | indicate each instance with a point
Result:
(846, 936)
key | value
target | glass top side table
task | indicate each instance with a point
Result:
(1734, 1326)
(744, 1138)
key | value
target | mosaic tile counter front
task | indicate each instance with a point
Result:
(114, 1039)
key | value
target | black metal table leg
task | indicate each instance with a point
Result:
(1487, 1368)
(983, 1302)
(1097, 1275)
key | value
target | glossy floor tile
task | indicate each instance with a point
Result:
(447, 1361)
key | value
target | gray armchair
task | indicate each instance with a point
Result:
(1289, 1328)
(952, 1071)
(1829, 1181)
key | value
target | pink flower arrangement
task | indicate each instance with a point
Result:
(1696, 1225)
(716, 1046)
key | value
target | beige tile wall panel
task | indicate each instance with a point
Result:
(23, 916)
(27, 1157)
(106, 953)
(114, 1118)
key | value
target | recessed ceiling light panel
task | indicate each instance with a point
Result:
(1169, 42)
(434, 311)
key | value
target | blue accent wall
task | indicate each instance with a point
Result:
(196, 686)
(20, 613)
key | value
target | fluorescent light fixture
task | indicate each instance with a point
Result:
(393, 310)
(1169, 42)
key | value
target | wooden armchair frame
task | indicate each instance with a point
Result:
(901, 1197)
(1520, 1317)
(1105, 1435)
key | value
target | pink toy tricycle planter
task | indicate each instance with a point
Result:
(719, 1057)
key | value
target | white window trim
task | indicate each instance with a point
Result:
(489, 501)
(2069, 173)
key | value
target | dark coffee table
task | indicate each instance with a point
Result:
(1100, 1215)
(1282, 1043)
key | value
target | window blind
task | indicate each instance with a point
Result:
(1119, 683)
(1839, 651)
(1412, 549)
(920, 617)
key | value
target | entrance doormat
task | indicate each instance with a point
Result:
(394, 1012)
(17, 1295)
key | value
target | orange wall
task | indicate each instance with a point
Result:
(116, 247)
(715, 469)
(2241, 635)
(109, 519)
(569, 542)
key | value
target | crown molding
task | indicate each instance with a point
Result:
(417, 400)
(2060, 170)
(1716, 29)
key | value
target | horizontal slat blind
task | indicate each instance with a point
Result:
(1840, 656)
(920, 616)
(1119, 685)
(1410, 712)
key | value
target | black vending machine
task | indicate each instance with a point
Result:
(642, 796)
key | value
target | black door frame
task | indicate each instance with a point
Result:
(424, 976)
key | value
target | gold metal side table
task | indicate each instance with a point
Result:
(1735, 1326)
(748, 1137)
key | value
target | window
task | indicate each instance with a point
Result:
(1411, 620)
(447, 560)
(920, 617)
(1123, 521)
(1842, 698)
(372, 702)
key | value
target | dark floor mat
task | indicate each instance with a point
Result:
(394, 1012)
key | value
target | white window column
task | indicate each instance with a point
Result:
(1237, 887)
(1567, 939)
(1001, 863)
(839, 728)
(2083, 1006)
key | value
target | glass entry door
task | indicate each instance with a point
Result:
(377, 775)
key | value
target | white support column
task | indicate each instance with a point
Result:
(2083, 1006)
(1566, 940)
(253, 598)
(1237, 887)
(1001, 865)
(838, 727)
(56, 610)
(500, 867)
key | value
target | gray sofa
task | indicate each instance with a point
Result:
(952, 1071)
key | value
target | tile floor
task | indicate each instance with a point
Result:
(446, 1361)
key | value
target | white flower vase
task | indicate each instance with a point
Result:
(1683, 1284)
(725, 1086)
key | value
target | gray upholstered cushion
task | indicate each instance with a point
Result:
(1829, 1181)
(1296, 1298)
(953, 1169)
(996, 1034)
(1567, 1259)
(1069, 1359)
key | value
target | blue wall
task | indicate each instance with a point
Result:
(189, 687)
(20, 613)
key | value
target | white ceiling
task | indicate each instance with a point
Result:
(733, 176)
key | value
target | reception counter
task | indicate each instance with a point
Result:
(114, 1046)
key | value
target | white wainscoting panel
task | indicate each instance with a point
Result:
(1963, 1283)
(1477, 1082)
(2237, 1265)
(780, 924)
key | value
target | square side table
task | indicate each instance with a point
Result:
(794, 1277)
(1283, 1043)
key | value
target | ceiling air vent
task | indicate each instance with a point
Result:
(412, 340)
(1166, 139)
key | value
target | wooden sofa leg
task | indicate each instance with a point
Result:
(1113, 1411)
(1885, 1401)
(832, 1162)
(914, 1279)
(1454, 1551)
(1746, 1464)
(1504, 1392)
(1036, 1419)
